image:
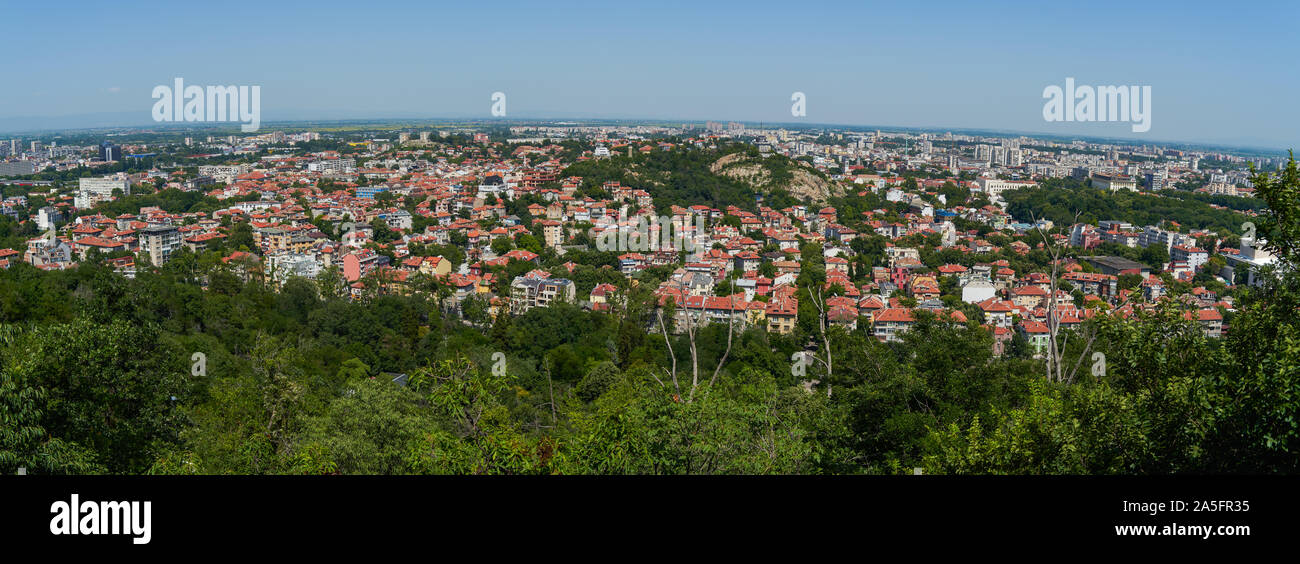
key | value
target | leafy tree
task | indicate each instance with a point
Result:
(1255, 402)
(241, 237)
(372, 428)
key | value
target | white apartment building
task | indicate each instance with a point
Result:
(994, 187)
(1194, 257)
(333, 166)
(286, 265)
(91, 191)
(1114, 183)
(1152, 235)
(46, 217)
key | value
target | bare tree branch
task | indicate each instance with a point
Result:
(695, 357)
(820, 303)
(676, 388)
(731, 309)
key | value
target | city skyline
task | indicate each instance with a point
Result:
(396, 124)
(859, 66)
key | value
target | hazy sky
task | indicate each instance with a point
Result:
(1219, 72)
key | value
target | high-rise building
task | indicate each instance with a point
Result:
(160, 242)
(46, 217)
(1155, 180)
(109, 152)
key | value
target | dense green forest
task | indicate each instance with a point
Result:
(193, 369)
(1059, 199)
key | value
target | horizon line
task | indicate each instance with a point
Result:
(763, 123)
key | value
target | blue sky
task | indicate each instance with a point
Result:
(1219, 72)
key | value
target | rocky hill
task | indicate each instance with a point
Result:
(770, 173)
